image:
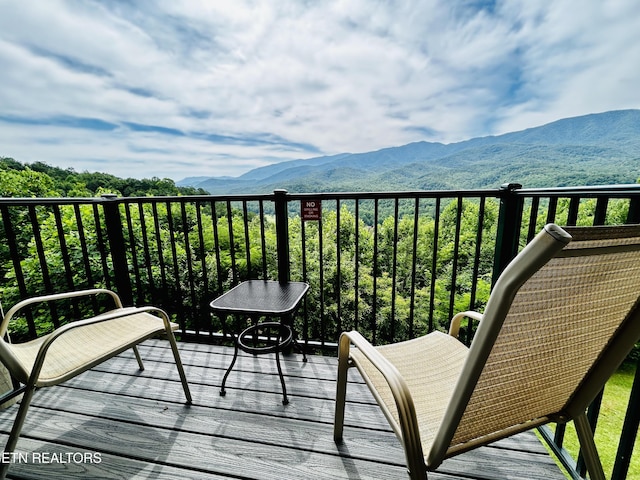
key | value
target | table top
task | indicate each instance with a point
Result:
(264, 297)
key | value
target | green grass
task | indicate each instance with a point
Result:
(614, 406)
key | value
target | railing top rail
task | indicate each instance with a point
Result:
(200, 198)
(589, 190)
(395, 194)
(24, 201)
(622, 190)
(253, 197)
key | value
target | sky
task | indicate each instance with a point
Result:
(182, 88)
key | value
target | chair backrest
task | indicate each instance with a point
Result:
(553, 332)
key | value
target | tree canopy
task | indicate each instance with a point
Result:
(39, 179)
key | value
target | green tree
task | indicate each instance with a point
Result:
(26, 183)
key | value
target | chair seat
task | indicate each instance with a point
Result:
(84, 347)
(431, 366)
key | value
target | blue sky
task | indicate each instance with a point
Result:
(189, 88)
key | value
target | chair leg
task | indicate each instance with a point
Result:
(588, 448)
(178, 360)
(16, 429)
(138, 358)
(341, 388)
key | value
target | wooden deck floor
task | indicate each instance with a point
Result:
(116, 422)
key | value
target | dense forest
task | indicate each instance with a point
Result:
(39, 179)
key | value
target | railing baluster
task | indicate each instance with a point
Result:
(629, 430)
(305, 277)
(83, 246)
(178, 307)
(146, 255)
(552, 210)
(188, 261)
(394, 273)
(263, 243)
(106, 275)
(476, 269)
(356, 287)
(64, 250)
(454, 268)
(434, 263)
(232, 245)
(634, 210)
(160, 250)
(414, 262)
(338, 269)
(133, 251)
(64, 254)
(533, 217)
(374, 306)
(323, 320)
(574, 207)
(600, 214)
(216, 241)
(203, 301)
(247, 244)
(85, 255)
(10, 238)
(42, 259)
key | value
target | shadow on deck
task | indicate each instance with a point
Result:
(117, 422)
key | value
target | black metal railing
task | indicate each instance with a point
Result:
(394, 265)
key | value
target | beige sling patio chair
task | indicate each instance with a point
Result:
(562, 317)
(78, 346)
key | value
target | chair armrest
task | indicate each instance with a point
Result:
(454, 328)
(408, 430)
(56, 296)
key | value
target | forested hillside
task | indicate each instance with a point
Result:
(42, 180)
(598, 149)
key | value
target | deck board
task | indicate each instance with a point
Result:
(139, 425)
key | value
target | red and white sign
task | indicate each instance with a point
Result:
(311, 209)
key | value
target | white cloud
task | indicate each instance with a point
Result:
(575, 60)
(313, 77)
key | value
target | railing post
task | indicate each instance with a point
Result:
(508, 231)
(282, 234)
(113, 223)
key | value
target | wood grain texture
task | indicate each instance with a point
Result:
(139, 425)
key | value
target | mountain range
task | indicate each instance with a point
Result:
(596, 149)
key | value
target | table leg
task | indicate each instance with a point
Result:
(300, 349)
(233, 362)
(289, 322)
(285, 401)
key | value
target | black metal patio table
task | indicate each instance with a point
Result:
(258, 299)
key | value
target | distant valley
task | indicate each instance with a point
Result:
(597, 149)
